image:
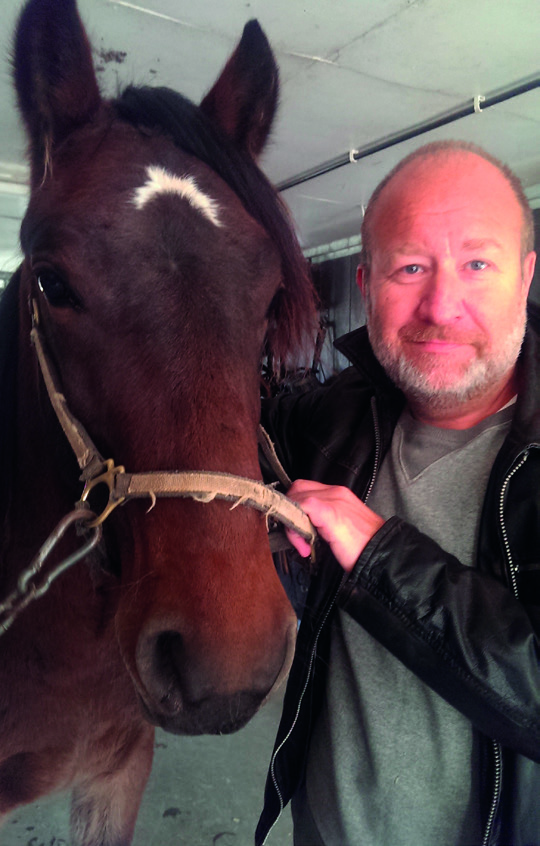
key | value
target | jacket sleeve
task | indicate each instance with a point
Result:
(461, 631)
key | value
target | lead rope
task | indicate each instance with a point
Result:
(270, 454)
(279, 543)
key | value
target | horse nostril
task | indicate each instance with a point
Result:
(160, 660)
(187, 689)
(169, 656)
(187, 677)
(168, 666)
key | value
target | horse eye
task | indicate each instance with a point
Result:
(56, 290)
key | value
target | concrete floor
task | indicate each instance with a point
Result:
(203, 791)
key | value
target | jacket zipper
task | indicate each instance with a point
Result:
(513, 569)
(375, 470)
(376, 460)
(299, 706)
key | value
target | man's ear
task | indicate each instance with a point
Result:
(361, 278)
(528, 270)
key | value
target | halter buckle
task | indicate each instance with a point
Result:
(107, 477)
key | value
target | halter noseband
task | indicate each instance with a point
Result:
(203, 486)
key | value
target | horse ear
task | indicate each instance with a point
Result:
(243, 101)
(54, 76)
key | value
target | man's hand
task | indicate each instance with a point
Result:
(338, 515)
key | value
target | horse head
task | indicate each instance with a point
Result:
(161, 262)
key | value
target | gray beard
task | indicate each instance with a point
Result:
(424, 389)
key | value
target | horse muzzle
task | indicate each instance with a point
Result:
(192, 695)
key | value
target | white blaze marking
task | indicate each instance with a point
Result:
(161, 181)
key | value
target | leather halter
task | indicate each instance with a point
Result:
(203, 486)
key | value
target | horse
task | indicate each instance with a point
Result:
(160, 268)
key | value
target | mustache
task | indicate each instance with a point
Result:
(417, 334)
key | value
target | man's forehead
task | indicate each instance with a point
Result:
(450, 187)
(449, 172)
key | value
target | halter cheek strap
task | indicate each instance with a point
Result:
(86, 452)
(203, 486)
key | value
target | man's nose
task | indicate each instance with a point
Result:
(441, 299)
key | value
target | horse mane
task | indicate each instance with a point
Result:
(9, 338)
(292, 318)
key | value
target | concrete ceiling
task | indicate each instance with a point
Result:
(352, 72)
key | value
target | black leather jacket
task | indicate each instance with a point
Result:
(471, 634)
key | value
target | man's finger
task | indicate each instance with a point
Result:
(300, 544)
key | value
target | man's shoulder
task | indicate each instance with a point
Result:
(344, 389)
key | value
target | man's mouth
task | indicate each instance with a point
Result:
(440, 346)
(437, 339)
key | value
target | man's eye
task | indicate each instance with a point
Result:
(478, 264)
(412, 269)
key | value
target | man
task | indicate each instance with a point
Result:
(412, 713)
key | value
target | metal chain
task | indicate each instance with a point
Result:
(34, 581)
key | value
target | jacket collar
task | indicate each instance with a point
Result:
(526, 423)
(357, 348)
